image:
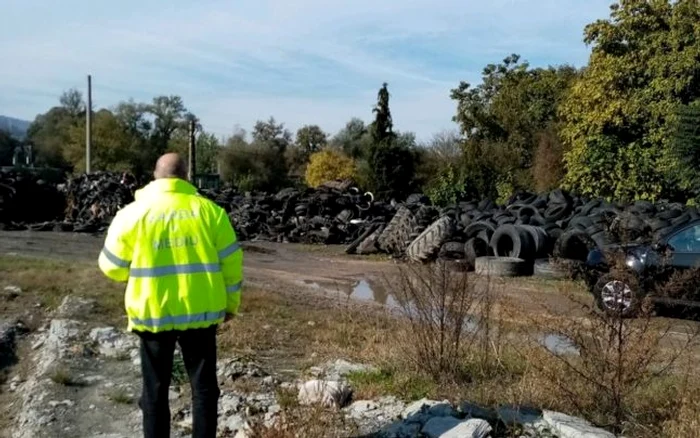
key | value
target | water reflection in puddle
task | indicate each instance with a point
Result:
(559, 345)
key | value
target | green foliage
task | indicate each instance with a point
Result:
(548, 165)
(354, 139)
(8, 144)
(620, 114)
(502, 117)
(328, 165)
(259, 165)
(447, 187)
(684, 150)
(391, 157)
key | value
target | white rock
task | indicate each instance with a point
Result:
(61, 333)
(13, 291)
(325, 392)
(342, 368)
(232, 423)
(114, 343)
(566, 426)
(422, 410)
(75, 307)
(363, 408)
(173, 395)
(230, 404)
(449, 427)
(402, 430)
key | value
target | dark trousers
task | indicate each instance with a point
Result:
(199, 354)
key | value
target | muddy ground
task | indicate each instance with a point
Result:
(305, 272)
(310, 270)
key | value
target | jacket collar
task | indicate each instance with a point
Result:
(172, 185)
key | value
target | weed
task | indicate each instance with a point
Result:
(287, 398)
(120, 396)
(179, 374)
(63, 376)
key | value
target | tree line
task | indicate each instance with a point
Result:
(625, 126)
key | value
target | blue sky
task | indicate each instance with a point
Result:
(301, 61)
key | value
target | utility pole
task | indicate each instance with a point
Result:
(193, 168)
(88, 127)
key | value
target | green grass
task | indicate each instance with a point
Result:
(407, 386)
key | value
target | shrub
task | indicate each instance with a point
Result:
(328, 165)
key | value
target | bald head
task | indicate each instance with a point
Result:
(170, 166)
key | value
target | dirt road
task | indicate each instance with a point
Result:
(299, 269)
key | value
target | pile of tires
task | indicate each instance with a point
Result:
(549, 235)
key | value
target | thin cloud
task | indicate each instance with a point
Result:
(307, 61)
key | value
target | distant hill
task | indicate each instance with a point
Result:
(16, 127)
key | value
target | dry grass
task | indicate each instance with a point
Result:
(120, 396)
(307, 422)
(501, 364)
(47, 282)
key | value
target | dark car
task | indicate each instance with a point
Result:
(663, 270)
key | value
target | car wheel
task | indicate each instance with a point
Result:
(619, 294)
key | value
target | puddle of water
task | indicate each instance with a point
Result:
(362, 291)
(559, 345)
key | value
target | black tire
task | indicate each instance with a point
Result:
(580, 222)
(556, 212)
(397, 232)
(601, 239)
(657, 224)
(619, 294)
(418, 198)
(369, 245)
(502, 267)
(558, 197)
(528, 210)
(452, 251)
(474, 229)
(544, 268)
(681, 220)
(574, 245)
(514, 242)
(475, 248)
(586, 209)
(352, 248)
(539, 237)
(429, 242)
(670, 214)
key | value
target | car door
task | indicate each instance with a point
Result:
(684, 245)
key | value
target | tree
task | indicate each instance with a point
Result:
(72, 101)
(502, 117)
(620, 114)
(255, 166)
(110, 143)
(49, 134)
(8, 144)
(382, 127)
(272, 134)
(684, 150)
(311, 139)
(329, 165)
(354, 139)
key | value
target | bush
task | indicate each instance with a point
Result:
(328, 165)
(256, 166)
(548, 167)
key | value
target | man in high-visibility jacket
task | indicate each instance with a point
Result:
(182, 264)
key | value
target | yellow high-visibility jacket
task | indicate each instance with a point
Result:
(179, 255)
